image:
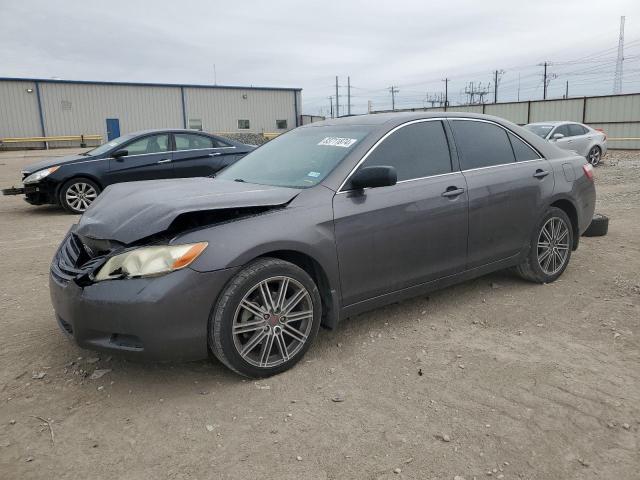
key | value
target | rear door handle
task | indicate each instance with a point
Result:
(540, 173)
(214, 154)
(451, 192)
(166, 160)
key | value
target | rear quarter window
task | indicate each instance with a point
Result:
(521, 150)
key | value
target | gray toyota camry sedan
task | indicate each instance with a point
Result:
(322, 223)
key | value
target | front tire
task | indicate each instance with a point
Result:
(550, 248)
(265, 319)
(77, 194)
(594, 156)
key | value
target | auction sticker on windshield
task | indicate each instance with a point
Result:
(338, 142)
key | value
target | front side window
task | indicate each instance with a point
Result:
(148, 145)
(522, 151)
(281, 124)
(186, 141)
(481, 144)
(243, 125)
(415, 151)
(563, 130)
(299, 158)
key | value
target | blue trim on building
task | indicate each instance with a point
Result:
(40, 114)
(144, 84)
(184, 108)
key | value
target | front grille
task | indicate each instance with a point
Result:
(72, 260)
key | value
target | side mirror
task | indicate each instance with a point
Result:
(372, 177)
(557, 136)
(120, 153)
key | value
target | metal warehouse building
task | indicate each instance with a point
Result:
(46, 108)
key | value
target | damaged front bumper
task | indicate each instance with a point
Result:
(33, 194)
(157, 318)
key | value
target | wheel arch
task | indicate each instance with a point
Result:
(570, 209)
(74, 176)
(328, 295)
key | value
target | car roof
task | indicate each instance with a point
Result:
(167, 130)
(553, 122)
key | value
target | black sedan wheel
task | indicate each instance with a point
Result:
(594, 156)
(550, 248)
(265, 319)
(77, 194)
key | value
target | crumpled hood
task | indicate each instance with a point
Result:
(53, 161)
(126, 212)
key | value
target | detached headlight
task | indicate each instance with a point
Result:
(147, 261)
(39, 175)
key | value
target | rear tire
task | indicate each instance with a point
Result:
(594, 156)
(265, 319)
(77, 194)
(550, 248)
(598, 227)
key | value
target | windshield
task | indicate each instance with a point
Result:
(301, 158)
(540, 130)
(105, 147)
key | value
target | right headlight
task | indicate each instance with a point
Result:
(147, 261)
(35, 177)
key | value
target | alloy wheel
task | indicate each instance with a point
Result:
(80, 195)
(594, 156)
(273, 321)
(553, 245)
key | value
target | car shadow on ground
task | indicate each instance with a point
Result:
(349, 333)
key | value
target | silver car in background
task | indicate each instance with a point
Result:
(586, 141)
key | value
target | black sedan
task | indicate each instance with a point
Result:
(75, 181)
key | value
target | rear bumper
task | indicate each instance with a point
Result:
(160, 318)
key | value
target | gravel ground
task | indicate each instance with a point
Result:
(493, 378)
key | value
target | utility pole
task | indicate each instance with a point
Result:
(393, 91)
(348, 95)
(518, 87)
(215, 75)
(446, 93)
(566, 91)
(331, 105)
(337, 100)
(617, 81)
(495, 87)
(369, 106)
(544, 82)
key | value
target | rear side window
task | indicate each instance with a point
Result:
(481, 144)
(521, 150)
(575, 129)
(188, 141)
(415, 151)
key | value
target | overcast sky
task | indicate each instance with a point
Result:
(411, 44)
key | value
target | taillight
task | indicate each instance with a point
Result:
(587, 168)
(602, 132)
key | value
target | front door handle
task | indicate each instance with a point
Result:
(214, 154)
(452, 192)
(540, 173)
(166, 160)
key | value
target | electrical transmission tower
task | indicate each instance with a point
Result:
(476, 93)
(617, 82)
(436, 100)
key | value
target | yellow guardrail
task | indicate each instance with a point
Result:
(56, 138)
(622, 139)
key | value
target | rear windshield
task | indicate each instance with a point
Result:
(540, 130)
(300, 158)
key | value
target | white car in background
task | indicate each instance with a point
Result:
(588, 142)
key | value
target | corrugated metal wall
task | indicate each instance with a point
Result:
(220, 109)
(617, 115)
(76, 108)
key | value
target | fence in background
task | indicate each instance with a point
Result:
(617, 115)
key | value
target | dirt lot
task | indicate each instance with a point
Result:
(494, 378)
